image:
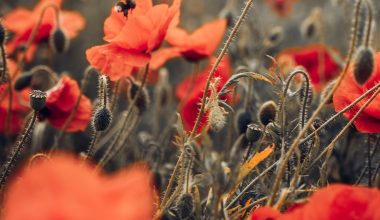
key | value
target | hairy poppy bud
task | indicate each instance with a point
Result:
(37, 100)
(276, 35)
(185, 206)
(363, 64)
(254, 132)
(242, 119)
(23, 81)
(59, 41)
(217, 118)
(310, 27)
(267, 112)
(2, 34)
(102, 119)
(143, 100)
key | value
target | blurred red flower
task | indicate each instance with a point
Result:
(60, 102)
(20, 103)
(331, 203)
(22, 21)
(281, 7)
(200, 44)
(131, 40)
(67, 188)
(193, 97)
(349, 90)
(317, 59)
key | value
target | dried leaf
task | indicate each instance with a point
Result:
(248, 166)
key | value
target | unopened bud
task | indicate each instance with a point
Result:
(37, 100)
(217, 118)
(363, 65)
(102, 119)
(2, 34)
(267, 112)
(23, 81)
(59, 42)
(185, 206)
(242, 119)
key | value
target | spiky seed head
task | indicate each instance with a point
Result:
(23, 81)
(102, 119)
(58, 40)
(267, 112)
(37, 99)
(185, 206)
(363, 64)
(254, 132)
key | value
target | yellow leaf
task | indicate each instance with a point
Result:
(248, 166)
(260, 77)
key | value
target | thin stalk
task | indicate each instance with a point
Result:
(115, 95)
(126, 117)
(234, 31)
(369, 24)
(330, 147)
(18, 148)
(296, 142)
(84, 83)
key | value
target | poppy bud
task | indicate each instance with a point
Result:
(102, 119)
(23, 81)
(143, 100)
(2, 34)
(37, 100)
(267, 112)
(217, 118)
(185, 206)
(58, 41)
(310, 27)
(242, 119)
(363, 65)
(254, 132)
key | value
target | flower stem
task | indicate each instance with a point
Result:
(18, 148)
(231, 36)
(296, 142)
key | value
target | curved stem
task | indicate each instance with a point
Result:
(4, 62)
(52, 75)
(216, 64)
(295, 144)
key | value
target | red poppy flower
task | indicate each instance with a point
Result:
(191, 106)
(281, 7)
(348, 91)
(131, 40)
(67, 188)
(20, 102)
(200, 44)
(316, 59)
(331, 203)
(60, 102)
(22, 22)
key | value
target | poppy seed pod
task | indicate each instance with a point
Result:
(267, 112)
(37, 100)
(242, 119)
(102, 119)
(143, 100)
(59, 42)
(185, 206)
(363, 64)
(23, 81)
(254, 132)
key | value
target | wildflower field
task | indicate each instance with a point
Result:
(189, 109)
